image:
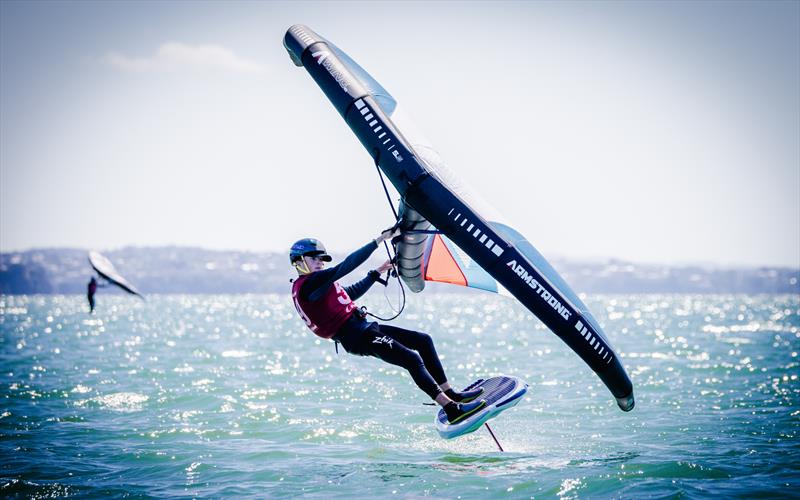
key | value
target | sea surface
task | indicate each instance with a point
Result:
(212, 396)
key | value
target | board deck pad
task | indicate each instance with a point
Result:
(501, 393)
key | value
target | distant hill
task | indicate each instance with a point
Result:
(196, 270)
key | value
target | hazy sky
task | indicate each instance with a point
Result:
(649, 131)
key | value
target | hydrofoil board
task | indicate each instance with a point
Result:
(501, 393)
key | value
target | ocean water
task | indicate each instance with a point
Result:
(209, 396)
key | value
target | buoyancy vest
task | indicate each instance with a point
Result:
(327, 314)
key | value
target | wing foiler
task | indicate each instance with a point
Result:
(474, 247)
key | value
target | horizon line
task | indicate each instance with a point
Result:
(586, 260)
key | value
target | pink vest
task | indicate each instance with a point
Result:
(324, 316)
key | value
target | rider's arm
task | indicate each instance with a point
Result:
(318, 282)
(359, 288)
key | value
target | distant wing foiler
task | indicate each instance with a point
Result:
(474, 248)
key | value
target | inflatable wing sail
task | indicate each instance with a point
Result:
(106, 269)
(474, 247)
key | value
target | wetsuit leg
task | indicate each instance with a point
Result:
(379, 341)
(423, 344)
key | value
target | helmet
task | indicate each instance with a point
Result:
(308, 246)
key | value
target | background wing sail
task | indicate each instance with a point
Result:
(106, 269)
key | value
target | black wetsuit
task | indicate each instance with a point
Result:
(91, 289)
(411, 350)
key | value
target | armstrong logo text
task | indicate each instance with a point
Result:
(544, 294)
(323, 58)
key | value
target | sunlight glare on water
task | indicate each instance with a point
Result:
(230, 395)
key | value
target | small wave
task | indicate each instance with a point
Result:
(749, 327)
(119, 401)
(236, 354)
